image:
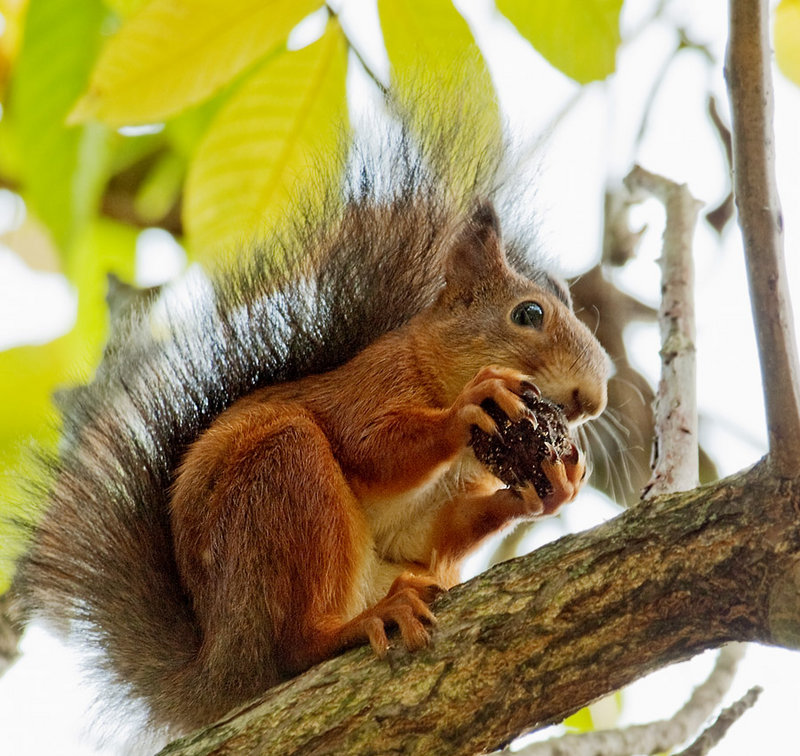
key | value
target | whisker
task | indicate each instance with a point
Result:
(579, 357)
(632, 385)
(610, 417)
(607, 443)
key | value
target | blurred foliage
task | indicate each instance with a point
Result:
(62, 169)
(236, 122)
(787, 38)
(601, 715)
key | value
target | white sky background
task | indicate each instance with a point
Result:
(43, 706)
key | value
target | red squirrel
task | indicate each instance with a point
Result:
(284, 471)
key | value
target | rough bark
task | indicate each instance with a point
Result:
(534, 639)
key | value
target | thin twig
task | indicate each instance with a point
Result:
(619, 241)
(723, 131)
(719, 216)
(376, 80)
(675, 466)
(684, 43)
(747, 71)
(713, 734)
(655, 736)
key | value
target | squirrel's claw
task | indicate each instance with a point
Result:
(566, 475)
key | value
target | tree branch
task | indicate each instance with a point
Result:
(534, 639)
(675, 467)
(747, 70)
(713, 734)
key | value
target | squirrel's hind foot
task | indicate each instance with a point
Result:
(405, 606)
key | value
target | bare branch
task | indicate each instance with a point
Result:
(712, 735)
(675, 465)
(747, 70)
(619, 241)
(655, 736)
(719, 216)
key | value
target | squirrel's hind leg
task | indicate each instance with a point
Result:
(270, 543)
(276, 553)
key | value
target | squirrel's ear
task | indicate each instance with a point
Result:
(476, 254)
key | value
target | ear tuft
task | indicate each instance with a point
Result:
(484, 219)
(476, 256)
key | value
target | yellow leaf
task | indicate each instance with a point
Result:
(273, 135)
(124, 7)
(787, 39)
(174, 53)
(430, 36)
(579, 37)
(580, 721)
(13, 15)
(435, 60)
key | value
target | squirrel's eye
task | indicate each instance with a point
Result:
(528, 314)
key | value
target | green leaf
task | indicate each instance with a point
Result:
(124, 8)
(62, 168)
(11, 166)
(787, 39)
(171, 54)
(578, 37)
(278, 132)
(106, 247)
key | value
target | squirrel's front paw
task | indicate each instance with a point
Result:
(537, 452)
(566, 474)
(502, 385)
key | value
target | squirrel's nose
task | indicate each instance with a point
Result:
(585, 403)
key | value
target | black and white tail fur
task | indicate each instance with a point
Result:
(100, 568)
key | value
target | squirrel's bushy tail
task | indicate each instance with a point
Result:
(100, 568)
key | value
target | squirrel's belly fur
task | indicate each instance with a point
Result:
(401, 523)
(254, 469)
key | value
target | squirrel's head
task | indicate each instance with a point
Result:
(487, 313)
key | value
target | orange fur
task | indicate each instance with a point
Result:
(312, 514)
